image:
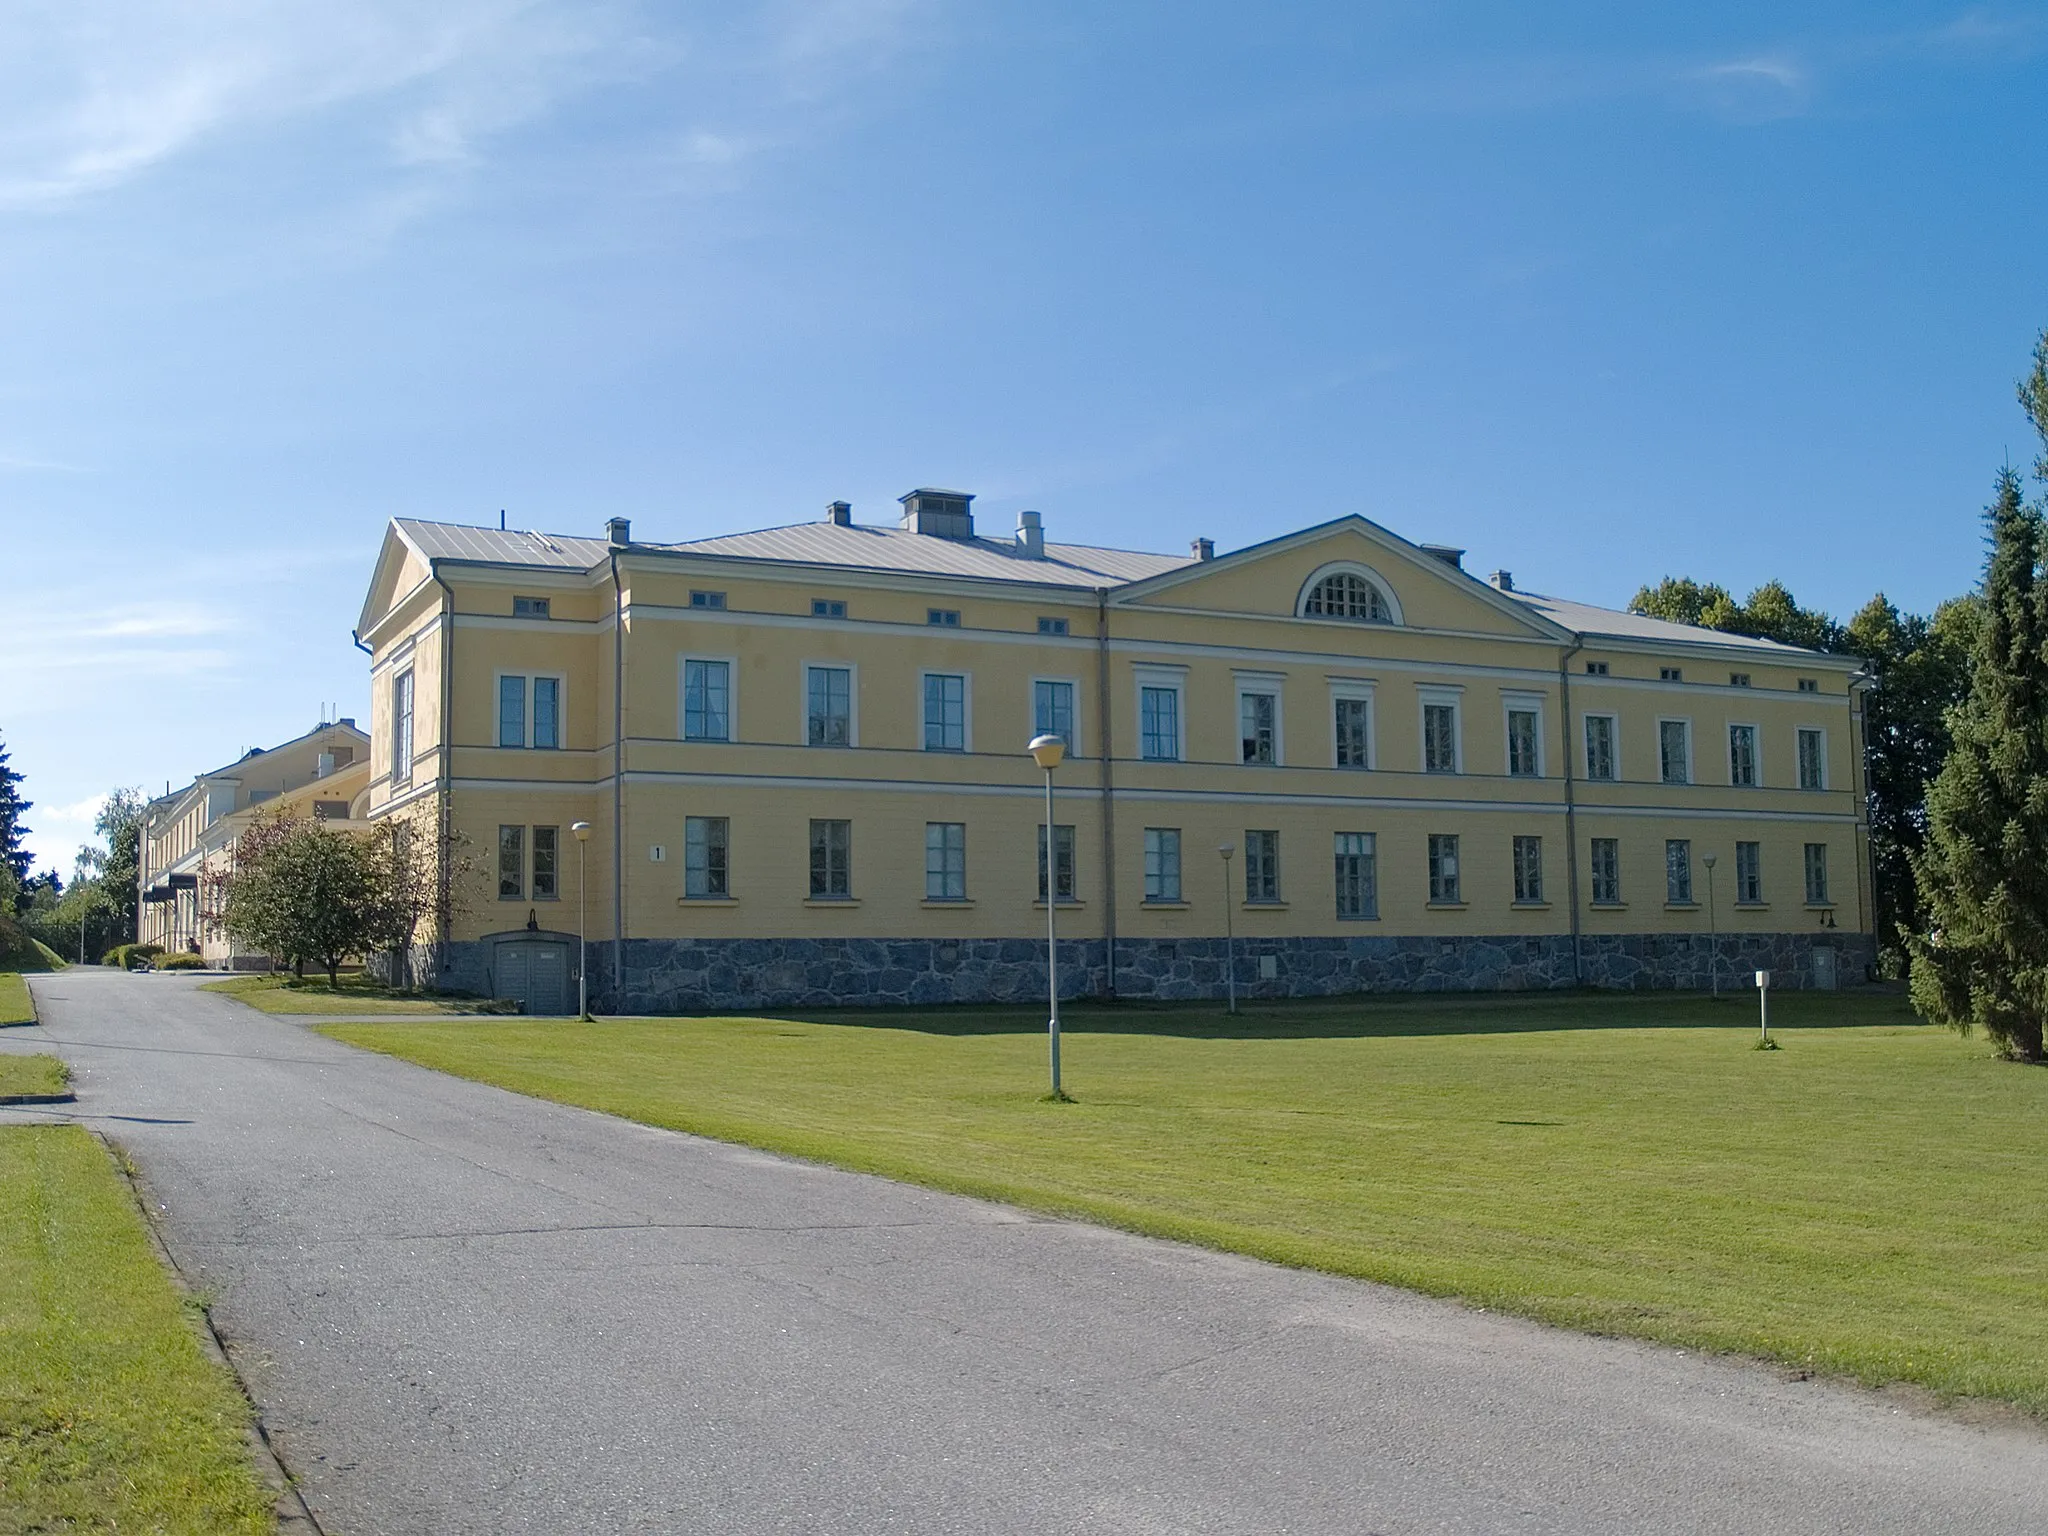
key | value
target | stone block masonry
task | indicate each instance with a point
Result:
(726, 975)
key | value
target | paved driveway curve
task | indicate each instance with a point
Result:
(465, 1311)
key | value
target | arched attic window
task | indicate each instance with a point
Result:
(1348, 592)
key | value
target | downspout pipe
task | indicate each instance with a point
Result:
(1860, 685)
(618, 781)
(1108, 790)
(1571, 811)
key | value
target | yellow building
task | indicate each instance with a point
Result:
(190, 833)
(800, 756)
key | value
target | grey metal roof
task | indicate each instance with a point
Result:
(1586, 619)
(511, 546)
(870, 548)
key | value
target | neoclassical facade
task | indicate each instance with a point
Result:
(798, 756)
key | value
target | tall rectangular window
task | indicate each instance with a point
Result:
(1606, 872)
(511, 711)
(707, 701)
(1063, 843)
(1159, 724)
(1358, 890)
(547, 712)
(1742, 756)
(1528, 869)
(1816, 874)
(1524, 744)
(546, 863)
(1162, 863)
(1444, 885)
(829, 707)
(401, 727)
(511, 863)
(1674, 751)
(1749, 874)
(1439, 738)
(1258, 718)
(1813, 761)
(1600, 758)
(1354, 733)
(1052, 711)
(945, 861)
(1678, 871)
(831, 860)
(705, 857)
(1261, 866)
(945, 712)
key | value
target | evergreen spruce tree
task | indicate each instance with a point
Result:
(17, 858)
(1981, 960)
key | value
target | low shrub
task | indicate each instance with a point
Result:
(128, 956)
(182, 962)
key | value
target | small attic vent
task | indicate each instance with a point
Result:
(941, 514)
(1454, 558)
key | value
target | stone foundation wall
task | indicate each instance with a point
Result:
(707, 975)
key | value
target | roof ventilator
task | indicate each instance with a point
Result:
(839, 514)
(1203, 549)
(942, 514)
(619, 531)
(1453, 557)
(1503, 581)
(1030, 535)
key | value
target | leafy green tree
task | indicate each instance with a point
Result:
(1770, 613)
(17, 858)
(1982, 961)
(119, 825)
(304, 894)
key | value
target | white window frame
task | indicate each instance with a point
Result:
(1279, 896)
(1361, 691)
(1031, 710)
(1758, 900)
(944, 872)
(1152, 848)
(1618, 899)
(1756, 755)
(1371, 854)
(966, 709)
(1432, 863)
(1427, 694)
(1826, 898)
(529, 676)
(404, 682)
(726, 894)
(1515, 844)
(1272, 685)
(1613, 745)
(1152, 675)
(803, 705)
(1347, 568)
(732, 696)
(1690, 776)
(1822, 732)
(1691, 898)
(1512, 703)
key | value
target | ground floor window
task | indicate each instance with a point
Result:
(945, 861)
(1063, 842)
(516, 878)
(1606, 872)
(1444, 885)
(1749, 874)
(1358, 893)
(1261, 866)
(705, 864)
(1162, 863)
(546, 865)
(1528, 869)
(511, 863)
(831, 860)
(1817, 874)
(1678, 871)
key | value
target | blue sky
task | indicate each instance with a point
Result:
(1600, 292)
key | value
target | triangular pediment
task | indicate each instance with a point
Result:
(1272, 580)
(400, 568)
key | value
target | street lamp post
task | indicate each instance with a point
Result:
(582, 831)
(1713, 935)
(1229, 931)
(1049, 752)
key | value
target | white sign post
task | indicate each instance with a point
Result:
(1763, 1002)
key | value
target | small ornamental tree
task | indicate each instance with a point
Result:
(302, 893)
(1981, 960)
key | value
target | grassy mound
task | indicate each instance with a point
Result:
(20, 952)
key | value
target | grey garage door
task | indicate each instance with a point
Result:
(534, 974)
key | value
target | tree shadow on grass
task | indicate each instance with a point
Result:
(1358, 1016)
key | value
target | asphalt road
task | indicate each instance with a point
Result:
(462, 1311)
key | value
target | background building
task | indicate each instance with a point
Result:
(324, 774)
(801, 756)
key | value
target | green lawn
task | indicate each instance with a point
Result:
(32, 1074)
(356, 994)
(1867, 1201)
(15, 1007)
(112, 1417)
